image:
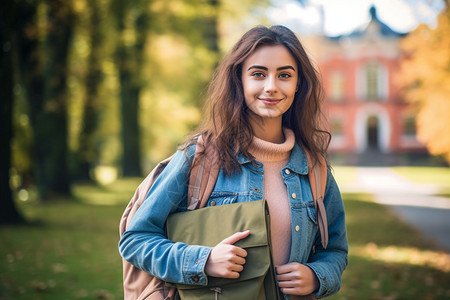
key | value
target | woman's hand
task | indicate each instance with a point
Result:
(296, 279)
(225, 259)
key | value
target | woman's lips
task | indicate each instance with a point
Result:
(270, 101)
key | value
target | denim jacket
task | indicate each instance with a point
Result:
(145, 245)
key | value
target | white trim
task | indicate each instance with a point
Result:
(383, 82)
(360, 85)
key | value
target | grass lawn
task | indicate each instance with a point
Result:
(438, 177)
(387, 258)
(69, 251)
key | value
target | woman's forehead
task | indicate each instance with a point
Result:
(270, 56)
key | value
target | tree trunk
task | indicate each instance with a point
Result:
(88, 151)
(129, 58)
(50, 118)
(8, 211)
(129, 100)
(44, 79)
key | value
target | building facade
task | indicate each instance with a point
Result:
(366, 111)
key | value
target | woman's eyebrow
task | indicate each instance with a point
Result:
(266, 69)
(258, 67)
(286, 67)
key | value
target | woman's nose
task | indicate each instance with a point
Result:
(270, 85)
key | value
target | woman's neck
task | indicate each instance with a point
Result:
(269, 130)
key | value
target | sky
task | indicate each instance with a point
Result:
(344, 16)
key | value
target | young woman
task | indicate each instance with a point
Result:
(263, 114)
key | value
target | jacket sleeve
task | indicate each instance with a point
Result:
(329, 263)
(144, 243)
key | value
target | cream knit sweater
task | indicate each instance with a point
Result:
(274, 157)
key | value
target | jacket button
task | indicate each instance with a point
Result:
(297, 228)
(213, 203)
(294, 195)
(195, 278)
(287, 171)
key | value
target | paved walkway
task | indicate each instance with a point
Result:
(413, 202)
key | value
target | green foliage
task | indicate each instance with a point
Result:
(169, 50)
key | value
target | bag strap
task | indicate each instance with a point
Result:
(203, 176)
(139, 195)
(317, 174)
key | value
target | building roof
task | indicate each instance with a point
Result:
(383, 28)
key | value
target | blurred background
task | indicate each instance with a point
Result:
(95, 93)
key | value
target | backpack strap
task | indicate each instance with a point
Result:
(317, 174)
(139, 195)
(203, 176)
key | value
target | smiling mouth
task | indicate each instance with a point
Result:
(270, 101)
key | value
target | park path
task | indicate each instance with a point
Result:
(415, 203)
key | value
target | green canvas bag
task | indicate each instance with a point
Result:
(209, 226)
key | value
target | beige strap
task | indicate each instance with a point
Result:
(195, 179)
(203, 176)
(194, 199)
(317, 178)
(321, 213)
(172, 293)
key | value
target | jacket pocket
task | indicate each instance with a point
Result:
(311, 208)
(221, 198)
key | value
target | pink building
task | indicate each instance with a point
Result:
(365, 107)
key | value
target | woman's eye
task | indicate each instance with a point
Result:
(258, 74)
(285, 75)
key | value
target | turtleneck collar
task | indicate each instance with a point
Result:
(264, 151)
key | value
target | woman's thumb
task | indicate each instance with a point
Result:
(235, 237)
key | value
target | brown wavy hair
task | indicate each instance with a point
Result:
(226, 127)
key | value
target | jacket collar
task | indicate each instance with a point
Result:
(298, 162)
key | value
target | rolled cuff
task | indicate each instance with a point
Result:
(325, 286)
(194, 262)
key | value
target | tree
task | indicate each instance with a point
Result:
(8, 211)
(88, 150)
(43, 73)
(133, 20)
(51, 131)
(425, 77)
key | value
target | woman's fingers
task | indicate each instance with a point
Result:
(296, 279)
(286, 277)
(225, 259)
(239, 260)
(289, 284)
(237, 268)
(287, 268)
(235, 237)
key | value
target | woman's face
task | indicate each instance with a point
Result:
(270, 80)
